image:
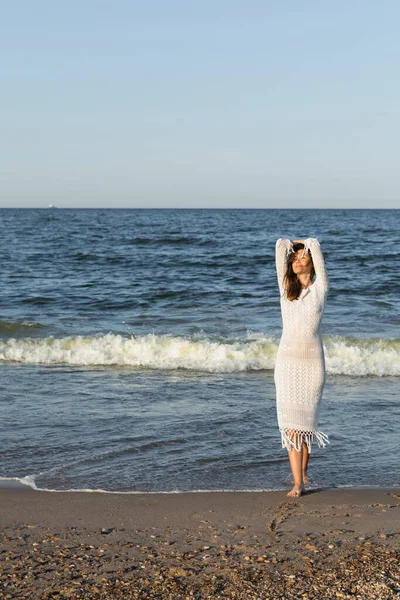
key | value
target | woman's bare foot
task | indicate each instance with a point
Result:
(306, 479)
(296, 491)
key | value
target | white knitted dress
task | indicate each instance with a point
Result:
(300, 364)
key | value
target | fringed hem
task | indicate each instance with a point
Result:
(294, 438)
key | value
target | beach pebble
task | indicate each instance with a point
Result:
(129, 570)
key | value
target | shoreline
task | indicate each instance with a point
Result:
(18, 484)
(341, 542)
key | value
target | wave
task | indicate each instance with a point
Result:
(344, 355)
(29, 481)
(17, 327)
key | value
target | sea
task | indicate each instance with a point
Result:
(137, 348)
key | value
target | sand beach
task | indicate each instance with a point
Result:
(334, 543)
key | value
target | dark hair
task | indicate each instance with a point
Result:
(291, 282)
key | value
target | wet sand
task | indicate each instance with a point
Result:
(340, 543)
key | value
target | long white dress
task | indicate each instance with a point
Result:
(300, 363)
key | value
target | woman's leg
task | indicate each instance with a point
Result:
(304, 464)
(295, 459)
(296, 464)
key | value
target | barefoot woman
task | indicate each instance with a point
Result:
(300, 365)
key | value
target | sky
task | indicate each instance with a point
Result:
(200, 103)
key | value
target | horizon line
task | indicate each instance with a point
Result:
(53, 207)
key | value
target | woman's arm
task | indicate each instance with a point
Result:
(282, 250)
(312, 244)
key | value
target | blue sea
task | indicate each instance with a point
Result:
(137, 348)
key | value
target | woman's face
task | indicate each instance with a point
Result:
(301, 265)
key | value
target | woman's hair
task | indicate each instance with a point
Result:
(291, 282)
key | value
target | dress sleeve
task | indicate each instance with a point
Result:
(312, 244)
(282, 250)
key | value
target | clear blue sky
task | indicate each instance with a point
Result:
(250, 103)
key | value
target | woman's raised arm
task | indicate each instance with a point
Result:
(312, 244)
(282, 250)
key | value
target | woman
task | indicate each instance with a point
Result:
(300, 364)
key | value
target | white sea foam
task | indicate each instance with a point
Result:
(18, 482)
(28, 482)
(344, 356)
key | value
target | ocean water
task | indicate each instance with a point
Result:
(137, 348)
